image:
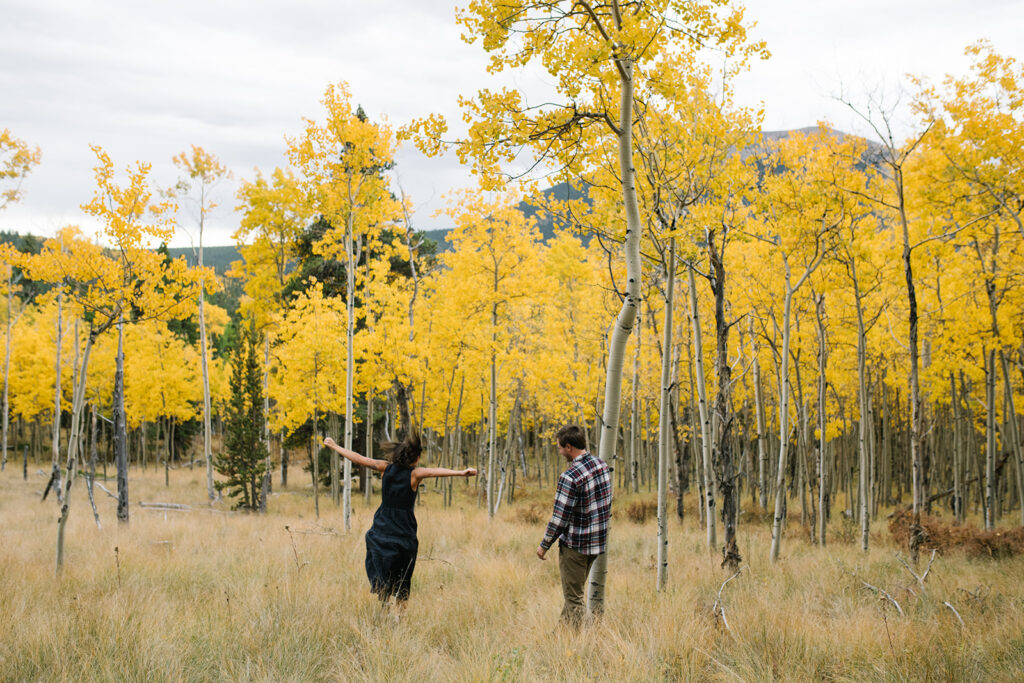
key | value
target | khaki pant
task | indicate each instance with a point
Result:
(574, 568)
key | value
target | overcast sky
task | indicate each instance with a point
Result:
(149, 78)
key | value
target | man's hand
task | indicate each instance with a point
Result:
(541, 552)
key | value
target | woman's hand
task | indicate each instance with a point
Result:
(469, 472)
(329, 442)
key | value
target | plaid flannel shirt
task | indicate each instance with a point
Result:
(583, 506)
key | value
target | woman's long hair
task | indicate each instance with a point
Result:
(404, 453)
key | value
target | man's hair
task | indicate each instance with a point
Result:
(571, 435)
(406, 452)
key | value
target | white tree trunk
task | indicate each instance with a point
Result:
(266, 415)
(77, 403)
(368, 488)
(56, 387)
(207, 409)
(492, 434)
(7, 366)
(780, 479)
(762, 432)
(120, 429)
(865, 420)
(705, 420)
(822, 421)
(990, 439)
(1014, 436)
(664, 440)
(627, 314)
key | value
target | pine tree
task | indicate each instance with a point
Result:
(243, 462)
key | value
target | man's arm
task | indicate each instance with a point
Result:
(565, 499)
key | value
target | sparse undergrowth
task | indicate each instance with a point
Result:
(210, 595)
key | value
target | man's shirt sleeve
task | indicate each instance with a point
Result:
(565, 499)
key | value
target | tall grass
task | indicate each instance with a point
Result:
(211, 595)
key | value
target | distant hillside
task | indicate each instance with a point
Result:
(545, 222)
(218, 258)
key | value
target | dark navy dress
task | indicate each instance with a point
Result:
(391, 543)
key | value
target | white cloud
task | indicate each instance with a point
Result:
(146, 80)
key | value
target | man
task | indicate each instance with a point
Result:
(583, 506)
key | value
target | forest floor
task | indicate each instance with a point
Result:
(205, 594)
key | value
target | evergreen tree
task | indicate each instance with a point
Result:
(243, 463)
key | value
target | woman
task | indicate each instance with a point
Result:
(391, 542)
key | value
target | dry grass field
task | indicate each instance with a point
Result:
(209, 595)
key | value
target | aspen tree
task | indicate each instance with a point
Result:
(890, 192)
(980, 120)
(797, 218)
(342, 164)
(202, 172)
(597, 53)
(823, 483)
(692, 184)
(574, 314)
(274, 213)
(664, 412)
(493, 243)
(307, 376)
(975, 180)
(16, 160)
(392, 354)
(137, 279)
(7, 257)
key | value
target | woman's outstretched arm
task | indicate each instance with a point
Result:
(421, 473)
(379, 465)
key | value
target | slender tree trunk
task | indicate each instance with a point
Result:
(780, 489)
(7, 367)
(332, 428)
(990, 439)
(315, 457)
(664, 441)
(632, 478)
(120, 436)
(284, 461)
(627, 314)
(492, 433)
(1012, 430)
(211, 492)
(864, 469)
(77, 405)
(268, 485)
(707, 473)
(57, 389)
(350, 308)
(958, 447)
(916, 418)
(823, 483)
(368, 488)
(723, 412)
(762, 432)
(93, 455)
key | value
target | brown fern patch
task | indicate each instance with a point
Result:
(943, 536)
(640, 510)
